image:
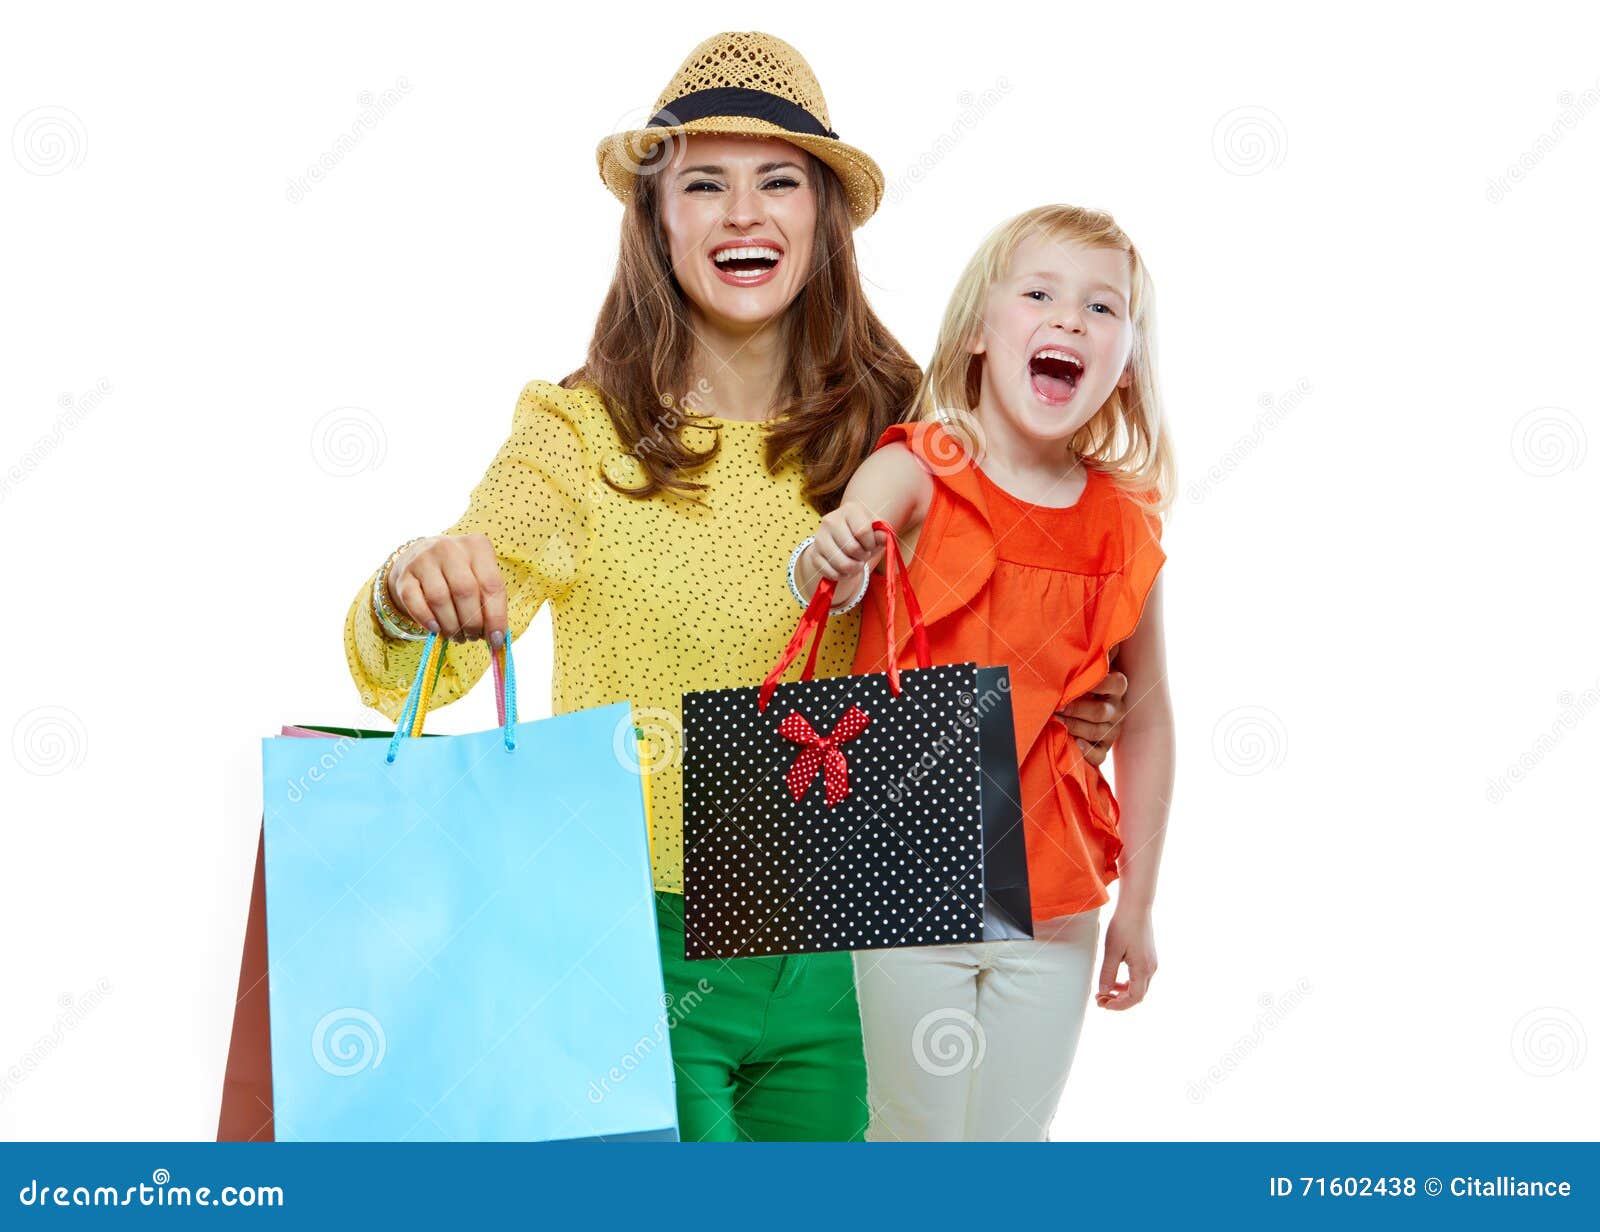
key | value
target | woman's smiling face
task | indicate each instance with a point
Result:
(739, 214)
(1056, 335)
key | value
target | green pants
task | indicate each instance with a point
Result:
(764, 1049)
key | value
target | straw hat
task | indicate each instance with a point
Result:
(749, 84)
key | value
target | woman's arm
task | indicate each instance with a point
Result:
(1095, 718)
(520, 542)
(889, 486)
(1146, 755)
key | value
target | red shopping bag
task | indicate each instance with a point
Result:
(247, 1083)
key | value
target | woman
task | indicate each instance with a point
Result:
(736, 377)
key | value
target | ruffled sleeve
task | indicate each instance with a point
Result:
(957, 528)
(941, 451)
(1140, 558)
(1081, 788)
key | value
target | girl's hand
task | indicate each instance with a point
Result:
(451, 584)
(1131, 939)
(845, 541)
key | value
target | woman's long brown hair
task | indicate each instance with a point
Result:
(848, 378)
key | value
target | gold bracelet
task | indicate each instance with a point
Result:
(395, 624)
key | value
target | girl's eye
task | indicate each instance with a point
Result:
(1106, 307)
(1032, 293)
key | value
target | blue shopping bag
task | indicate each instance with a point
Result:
(461, 931)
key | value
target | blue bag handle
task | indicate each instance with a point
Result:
(415, 711)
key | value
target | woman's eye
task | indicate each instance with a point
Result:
(782, 181)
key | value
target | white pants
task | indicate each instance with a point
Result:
(974, 1042)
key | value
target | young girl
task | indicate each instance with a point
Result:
(1028, 507)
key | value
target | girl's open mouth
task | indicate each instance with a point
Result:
(748, 265)
(1055, 374)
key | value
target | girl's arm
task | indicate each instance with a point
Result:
(889, 486)
(1144, 760)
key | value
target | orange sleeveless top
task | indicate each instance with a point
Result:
(1047, 592)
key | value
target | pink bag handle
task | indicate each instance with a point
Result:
(415, 711)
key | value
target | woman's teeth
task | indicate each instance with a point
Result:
(746, 260)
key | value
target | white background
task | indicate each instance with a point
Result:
(225, 405)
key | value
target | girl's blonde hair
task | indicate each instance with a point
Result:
(1126, 436)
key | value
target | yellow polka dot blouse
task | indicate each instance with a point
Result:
(649, 598)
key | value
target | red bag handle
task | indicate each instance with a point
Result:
(896, 578)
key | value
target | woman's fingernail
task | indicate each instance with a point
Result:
(433, 626)
(496, 638)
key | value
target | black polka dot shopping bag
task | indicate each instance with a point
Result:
(853, 813)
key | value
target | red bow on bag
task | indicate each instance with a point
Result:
(822, 751)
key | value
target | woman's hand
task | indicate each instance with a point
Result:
(1130, 939)
(845, 541)
(451, 584)
(1096, 717)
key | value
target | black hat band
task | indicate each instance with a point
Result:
(735, 101)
